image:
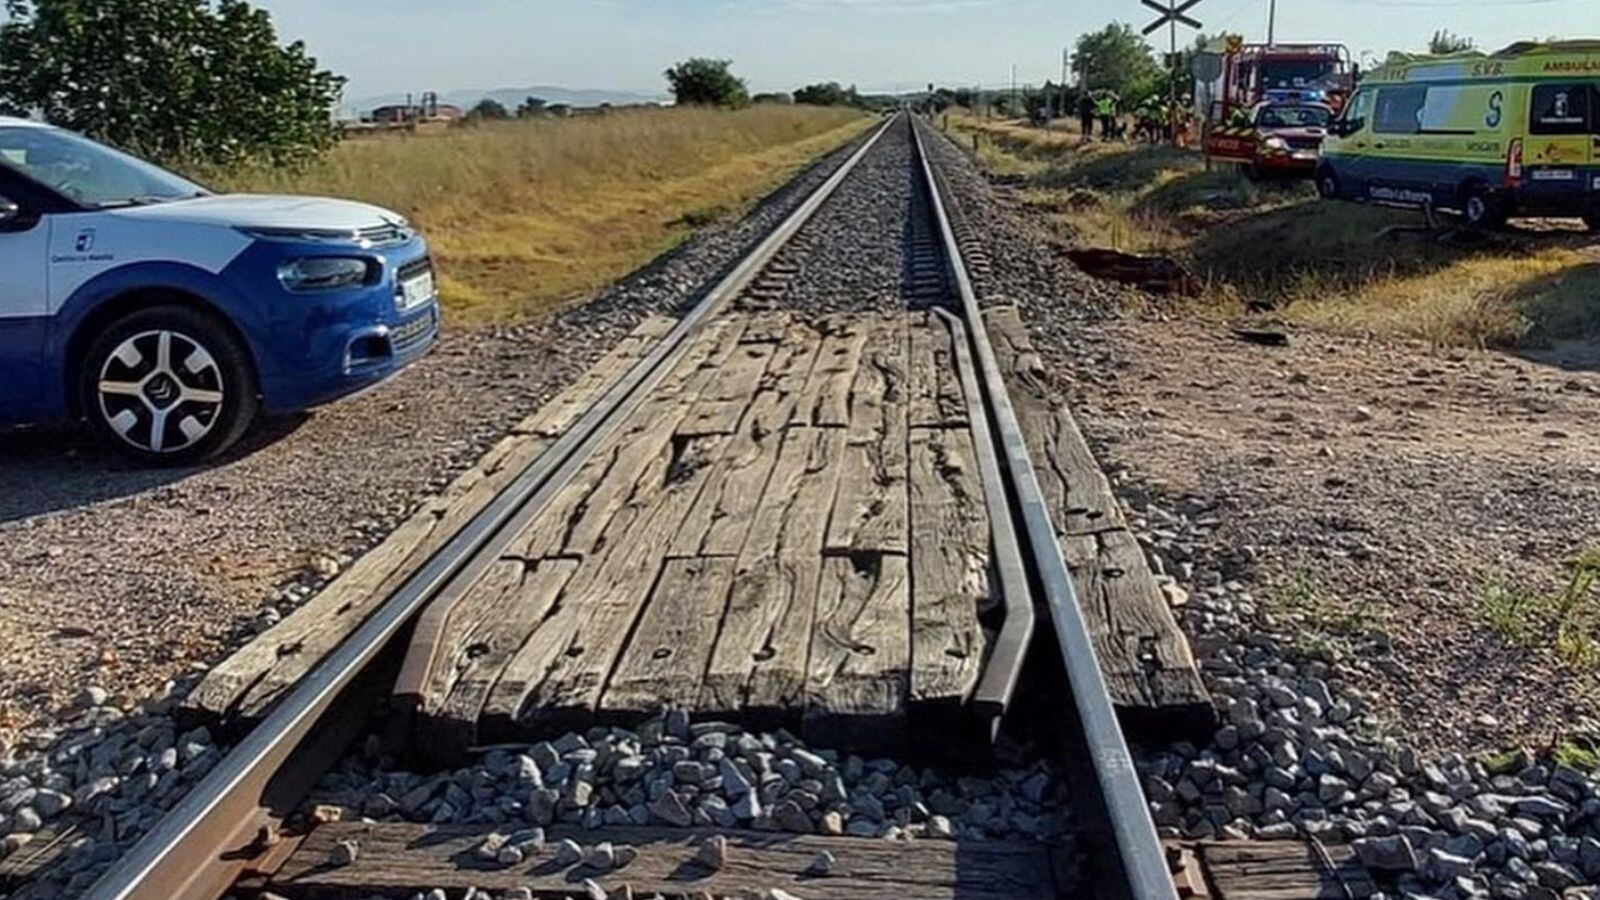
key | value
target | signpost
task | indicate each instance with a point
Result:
(1173, 14)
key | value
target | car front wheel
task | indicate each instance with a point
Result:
(1328, 183)
(168, 386)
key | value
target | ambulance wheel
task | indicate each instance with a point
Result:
(1328, 184)
(167, 386)
(1482, 209)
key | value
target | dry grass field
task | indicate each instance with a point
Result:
(1332, 265)
(524, 215)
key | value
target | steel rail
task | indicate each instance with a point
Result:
(1140, 856)
(999, 680)
(195, 848)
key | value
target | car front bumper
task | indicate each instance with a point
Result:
(316, 347)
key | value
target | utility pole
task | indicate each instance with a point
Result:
(1061, 93)
(1272, 23)
(1013, 109)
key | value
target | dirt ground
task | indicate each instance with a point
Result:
(1394, 480)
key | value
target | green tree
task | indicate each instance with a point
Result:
(178, 80)
(829, 94)
(1445, 42)
(1116, 58)
(777, 97)
(533, 106)
(488, 110)
(707, 82)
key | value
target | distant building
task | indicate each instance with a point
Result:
(429, 110)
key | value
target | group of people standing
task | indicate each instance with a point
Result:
(1155, 120)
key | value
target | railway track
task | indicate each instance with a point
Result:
(230, 824)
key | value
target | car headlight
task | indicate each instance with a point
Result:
(323, 273)
(1275, 143)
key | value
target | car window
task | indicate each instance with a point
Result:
(88, 173)
(1399, 110)
(1560, 109)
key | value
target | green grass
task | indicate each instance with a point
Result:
(1564, 624)
(1323, 622)
(1338, 266)
(522, 216)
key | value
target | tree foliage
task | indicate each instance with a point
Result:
(1445, 42)
(533, 106)
(178, 80)
(488, 110)
(1116, 58)
(707, 82)
(828, 94)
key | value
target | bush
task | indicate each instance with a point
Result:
(707, 82)
(488, 110)
(177, 80)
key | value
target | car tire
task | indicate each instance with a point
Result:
(1482, 209)
(168, 386)
(1328, 183)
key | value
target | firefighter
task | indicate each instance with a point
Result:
(1086, 116)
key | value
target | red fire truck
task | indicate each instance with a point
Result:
(1266, 105)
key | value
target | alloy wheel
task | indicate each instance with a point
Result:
(161, 391)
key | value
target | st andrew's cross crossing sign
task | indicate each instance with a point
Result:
(1172, 13)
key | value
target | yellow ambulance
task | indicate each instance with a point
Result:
(1514, 133)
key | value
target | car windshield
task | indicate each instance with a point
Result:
(1293, 117)
(88, 173)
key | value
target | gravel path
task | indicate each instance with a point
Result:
(123, 579)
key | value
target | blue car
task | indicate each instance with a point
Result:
(167, 318)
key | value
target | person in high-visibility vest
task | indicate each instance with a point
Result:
(1106, 109)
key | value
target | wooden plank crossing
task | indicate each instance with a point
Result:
(1149, 667)
(769, 539)
(245, 684)
(398, 859)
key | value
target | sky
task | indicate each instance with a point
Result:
(398, 46)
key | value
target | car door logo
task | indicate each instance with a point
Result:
(85, 241)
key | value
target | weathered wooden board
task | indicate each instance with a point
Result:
(664, 663)
(581, 511)
(825, 399)
(935, 395)
(555, 680)
(721, 520)
(759, 662)
(950, 541)
(1075, 487)
(870, 515)
(858, 675)
(723, 402)
(1148, 666)
(399, 859)
(250, 680)
(1283, 870)
(483, 631)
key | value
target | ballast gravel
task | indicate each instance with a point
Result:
(671, 771)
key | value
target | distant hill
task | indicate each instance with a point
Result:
(511, 98)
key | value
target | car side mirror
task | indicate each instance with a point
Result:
(1345, 127)
(13, 217)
